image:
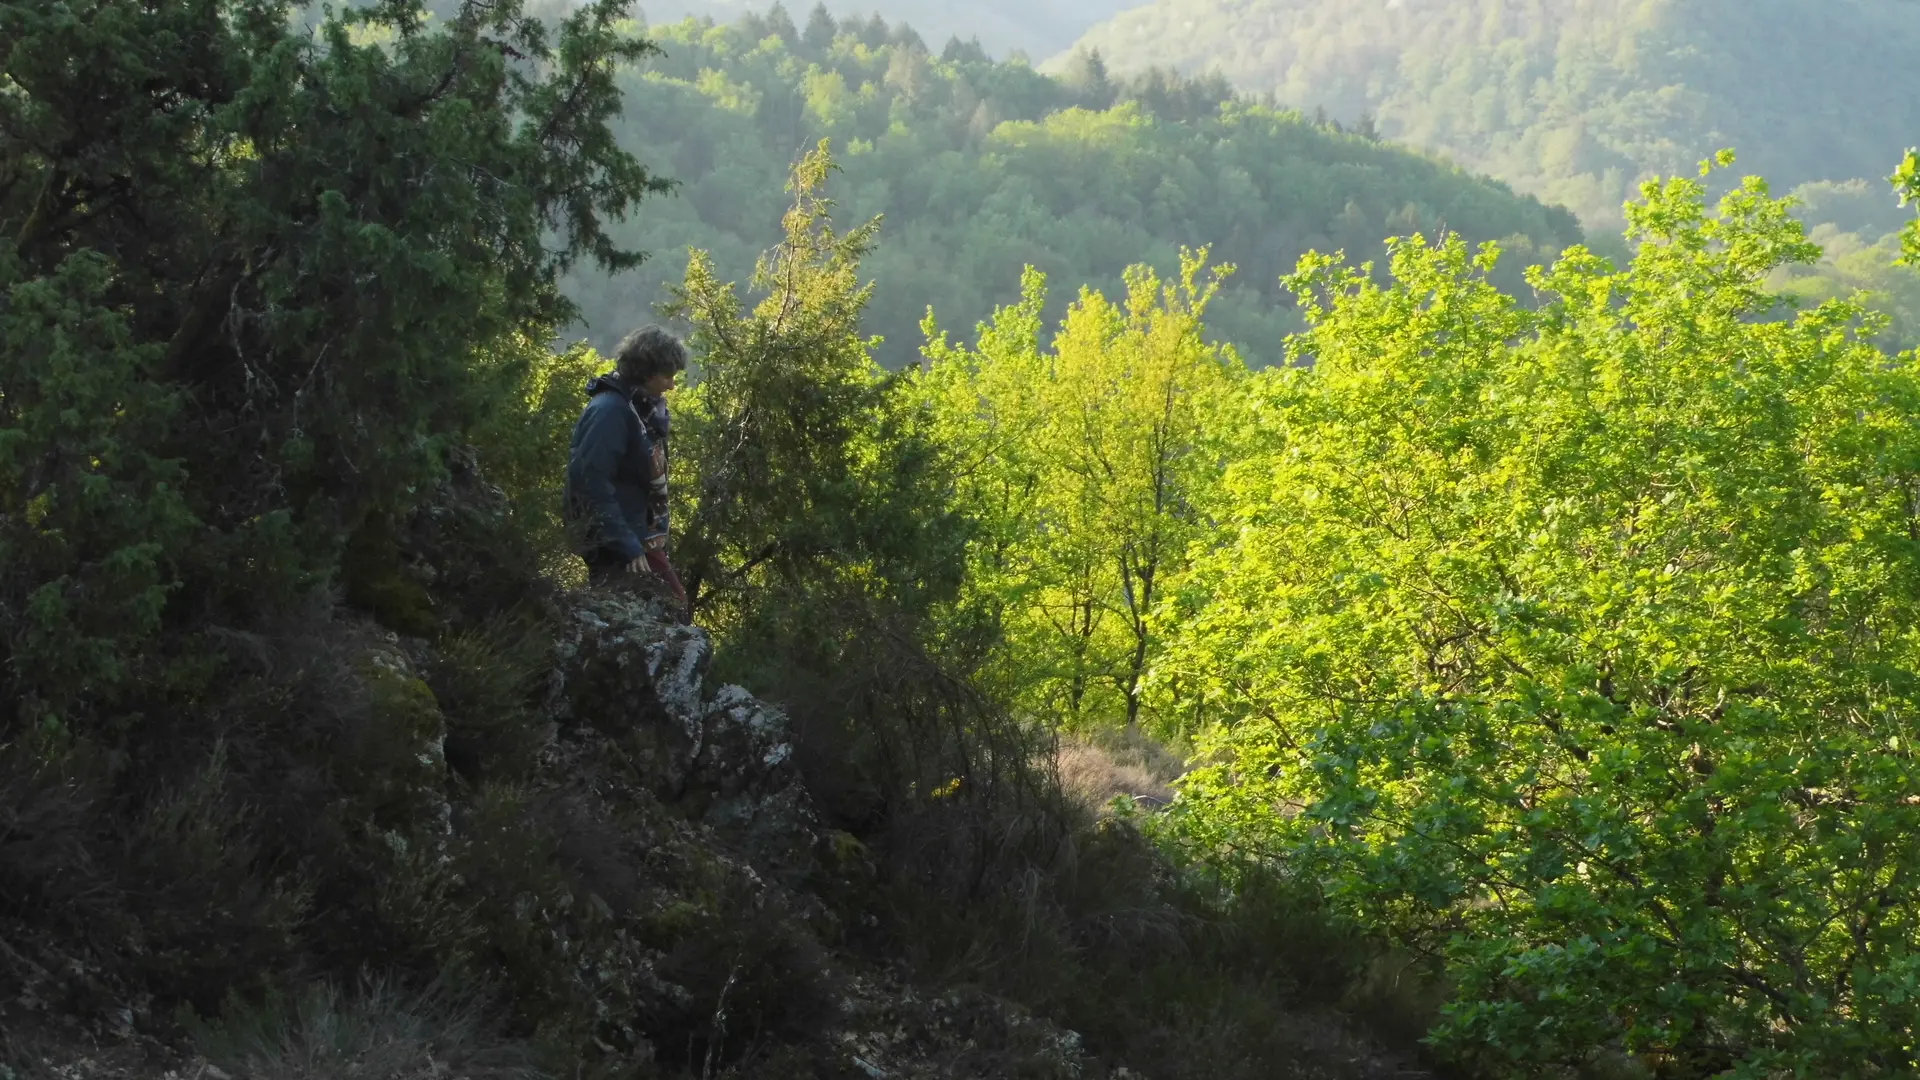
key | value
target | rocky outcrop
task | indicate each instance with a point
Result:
(629, 685)
(625, 668)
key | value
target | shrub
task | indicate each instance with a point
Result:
(819, 536)
(377, 1031)
(578, 980)
(487, 681)
(1573, 645)
(754, 974)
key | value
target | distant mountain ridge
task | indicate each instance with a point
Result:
(1575, 100)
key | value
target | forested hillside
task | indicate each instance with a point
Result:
(1038, 28)
(981, 168)
(1571, 102)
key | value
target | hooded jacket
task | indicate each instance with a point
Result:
(617, 472)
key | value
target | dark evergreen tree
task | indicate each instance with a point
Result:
(1086, 74)
(780, 25)
(1150, 89)
(905, 37)
(964, 52)
(252, 282)
(821, 29)
(753, 26)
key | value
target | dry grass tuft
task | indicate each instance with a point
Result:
(377, 1033)
(1097, 769)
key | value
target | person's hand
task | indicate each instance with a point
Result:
(665, 572)
(637, 565)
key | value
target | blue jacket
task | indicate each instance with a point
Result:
(617, 472)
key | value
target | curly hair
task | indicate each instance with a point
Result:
(647, 352)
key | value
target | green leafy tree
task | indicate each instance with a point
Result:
(256, 287)
(1575, 647)
(1906, 181)
(803, 467)
(267, 275)
(1085, 462)
(824, 543)
(1859, 232)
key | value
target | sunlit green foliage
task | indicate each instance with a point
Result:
(1576, 645)
(1569, 642)
(1085, 464)
(1906, 180)
(803, 467)
(1569, 646)
(1858, 229)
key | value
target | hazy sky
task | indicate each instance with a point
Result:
(1038, 27)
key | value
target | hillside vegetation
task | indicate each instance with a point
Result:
(1573, 102)
(1568, 643)
(980, 168)
(317, 761)
(1541, 637)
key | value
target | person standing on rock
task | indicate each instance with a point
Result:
(617, 469)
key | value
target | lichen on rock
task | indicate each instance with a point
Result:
(625, 667)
